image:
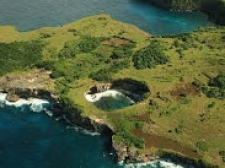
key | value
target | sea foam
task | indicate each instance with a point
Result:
(109, 93)
(160, 163)
(84, 131)
(35, 105)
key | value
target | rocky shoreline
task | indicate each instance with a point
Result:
(73, 117)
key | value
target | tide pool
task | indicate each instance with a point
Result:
(109, 100)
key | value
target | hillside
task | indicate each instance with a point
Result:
(182, 114)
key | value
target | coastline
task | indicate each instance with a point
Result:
(41, 105)
(35, 104)
(92, 127)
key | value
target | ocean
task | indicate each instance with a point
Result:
(29, 138)
(31, 14)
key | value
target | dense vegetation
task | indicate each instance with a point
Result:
(101, 60)
(85, 45)
(215, 87)
(19, 55)
(150, 56)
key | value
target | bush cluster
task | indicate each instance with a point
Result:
(101, 75)
(123, 52)
(19, 55)
(88, 44)
(150, 56)
(215, 88)
(123, 134)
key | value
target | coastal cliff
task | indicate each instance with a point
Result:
(71, 115)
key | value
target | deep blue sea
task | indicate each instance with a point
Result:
(34, 140)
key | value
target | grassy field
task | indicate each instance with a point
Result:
(177, 113)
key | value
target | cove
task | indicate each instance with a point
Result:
(110, 100)
(27, 15)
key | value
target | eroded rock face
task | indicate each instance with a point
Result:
(131, 155)
(15, 93)
(101, 87)
(120, 150)
(34, 84)
(12, 97)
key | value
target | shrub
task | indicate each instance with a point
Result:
(185, 100)
(129, 139)
(46, 64)
(45, 35)
(88, 44)
(119, 65)
(198, 83)
(218, 81)
(69, 51)
(202, 145)
(101, 75)
(57, 74)
(211, 105)
(138, 125)
(176, 44)
(117, 54)
(123, 52)
(222, 154)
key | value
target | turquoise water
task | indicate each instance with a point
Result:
(110, 103)
(32, 14)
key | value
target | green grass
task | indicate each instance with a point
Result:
(180, 113)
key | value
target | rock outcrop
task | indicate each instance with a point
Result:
(131, 155)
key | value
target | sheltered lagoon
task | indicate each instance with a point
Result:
(110, 100)
(118, 94)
